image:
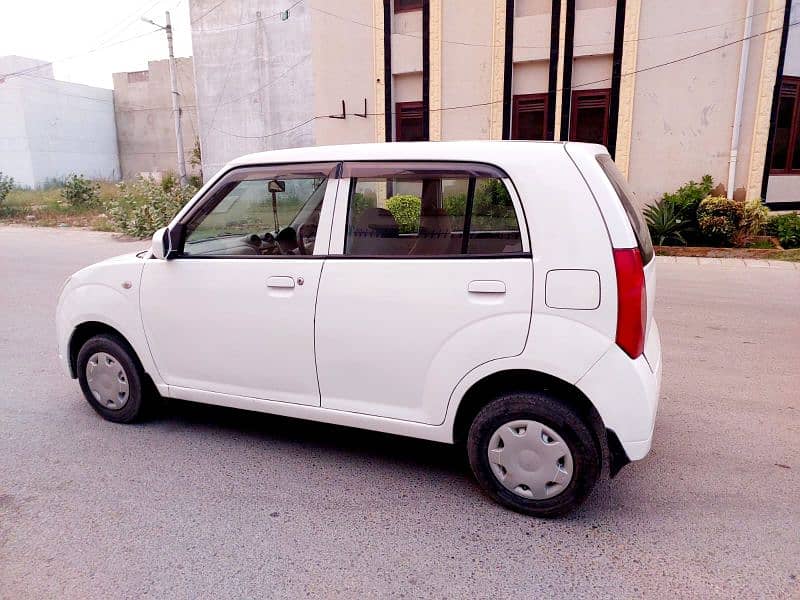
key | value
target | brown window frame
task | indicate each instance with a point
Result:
(414, 5)
(406, 109)
(518, 107)
(790, 88)
(577, 95)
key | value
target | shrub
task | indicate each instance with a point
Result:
(6, 185)
(719, 219)
(688, 197)
(786, 228)
(666, 224)
(80, 192)
(144, 205)
(456, 205)
(405, 209)
(754, 217)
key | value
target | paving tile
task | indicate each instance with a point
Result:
(782, 264)
(756, 264)
(706, 260)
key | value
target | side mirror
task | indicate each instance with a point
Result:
(160, 248)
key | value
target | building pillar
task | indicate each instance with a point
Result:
(562, 37)
(435, 73)
(627, 86)
(498, 70)
(380, 74)
(766, 86)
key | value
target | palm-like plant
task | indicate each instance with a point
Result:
(666, 223)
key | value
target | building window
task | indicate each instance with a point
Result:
(529, 117)
(589, 119)
(409, 125)
(786, 145)
(407, 5)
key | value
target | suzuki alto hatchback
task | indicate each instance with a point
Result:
(497, 295)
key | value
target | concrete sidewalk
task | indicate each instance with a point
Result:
(730, 263)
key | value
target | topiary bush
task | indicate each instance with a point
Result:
(786, 228)
(405, 208)
(6, 185)
(144, 205)
(80, 192)
(719, 219)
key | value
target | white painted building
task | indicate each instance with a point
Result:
(50, 128)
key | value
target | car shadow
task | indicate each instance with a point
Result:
(399, 450)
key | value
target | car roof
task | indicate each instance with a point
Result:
(495, 152)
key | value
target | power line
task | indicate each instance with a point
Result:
(481, 104)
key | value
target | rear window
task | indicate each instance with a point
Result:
(628, 199)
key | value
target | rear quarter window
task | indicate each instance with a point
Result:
(631, 206)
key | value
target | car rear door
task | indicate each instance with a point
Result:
(429, 275)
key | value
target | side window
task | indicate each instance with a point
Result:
(259, 212)
(425, 210)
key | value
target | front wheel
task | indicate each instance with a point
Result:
(111, 378)
(533, 453)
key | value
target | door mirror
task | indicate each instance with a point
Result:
(161, 246)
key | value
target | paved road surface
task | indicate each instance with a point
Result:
(210, 502)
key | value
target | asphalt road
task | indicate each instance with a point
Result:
(211, 502)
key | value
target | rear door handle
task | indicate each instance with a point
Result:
(486, 287)
(280, 282)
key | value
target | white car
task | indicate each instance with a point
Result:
(497, 295)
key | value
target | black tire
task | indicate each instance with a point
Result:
(134, 407)
(555, 414)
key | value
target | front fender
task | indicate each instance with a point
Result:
(107, 294)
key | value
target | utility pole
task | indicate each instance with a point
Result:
(176, 109)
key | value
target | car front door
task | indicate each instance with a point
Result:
(429, 276)
(233, 312)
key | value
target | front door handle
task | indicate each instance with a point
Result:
(486, 287)
(280, 282)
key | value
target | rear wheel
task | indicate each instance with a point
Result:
(533, 453)
(111, 378)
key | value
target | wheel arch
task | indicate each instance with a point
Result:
(87, 330)
(489, 387)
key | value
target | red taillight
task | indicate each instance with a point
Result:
(631, 301)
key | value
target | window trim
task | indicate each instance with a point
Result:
(794, 127)
(573, 118)
(342, 209)
(516, 110)
(326, 212)
(398, 10)
(399, 107)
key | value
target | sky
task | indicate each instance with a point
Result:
(88, 40)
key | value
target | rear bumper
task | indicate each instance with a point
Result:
(625, 393)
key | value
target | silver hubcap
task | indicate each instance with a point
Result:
(107, 380)
(530, 459)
